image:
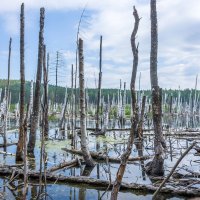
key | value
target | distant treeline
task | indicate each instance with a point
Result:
(186, 94)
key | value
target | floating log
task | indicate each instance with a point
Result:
(101, 156)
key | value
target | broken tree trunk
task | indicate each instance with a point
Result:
(84, 144)
(19, 152)
(126, 154)
(155, 167)
(36, 103)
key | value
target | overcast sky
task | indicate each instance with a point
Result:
(178, 30)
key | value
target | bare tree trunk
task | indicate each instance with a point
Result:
(155, 167)
(84, 145)
(62, 119)
(105, 119)
(126, 154)
(72, 105)
(170, 105)
(25, 153)
(7, 98)
(99, 85)
(45, 100)
(55, 96)
(140, 124)
(19, 153)
(36, 103)
(76, 92)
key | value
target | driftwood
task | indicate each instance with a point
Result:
(7, 153)
(101, 156)
(97, 183)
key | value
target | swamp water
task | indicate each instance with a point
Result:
(114, 144)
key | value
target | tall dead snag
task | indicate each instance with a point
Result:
(155, 167)
(99, 86)
(36, 101)
(84, 146)
(76, 91)
(45, 97)
(72, 105)
(19, 153)
(126, 154)
(7, 98)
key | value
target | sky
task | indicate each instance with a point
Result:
(178, 40)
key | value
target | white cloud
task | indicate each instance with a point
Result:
(178, 22)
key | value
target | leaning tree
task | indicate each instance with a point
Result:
(134, 120)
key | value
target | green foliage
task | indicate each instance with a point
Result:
(12, 108)
(113, 112)
(52, 117)
(128, 110)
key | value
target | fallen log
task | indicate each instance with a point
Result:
(101, 156)
(68, 164)
(97, 183)
(10, 166)
(9, 144)
(114, 129)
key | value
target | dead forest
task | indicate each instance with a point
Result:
(110, 148)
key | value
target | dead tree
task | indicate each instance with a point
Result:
(99, 86)
(72, 105)
(126, 154)
(57, 60)
(19, 153)
(36, 102)
(25, 125)
(63, 112)
(7, 98)
(140, 123)
(75, 84)
(155, 167)
(84, 146)
(45, 97)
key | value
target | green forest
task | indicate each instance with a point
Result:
(92, 92)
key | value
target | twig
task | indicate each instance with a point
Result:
(173, 169)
